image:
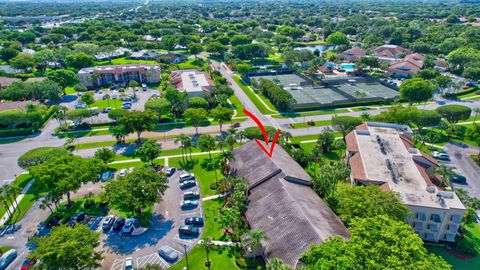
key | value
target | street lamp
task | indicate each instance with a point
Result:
(186, 254)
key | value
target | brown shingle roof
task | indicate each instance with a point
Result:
(291, 215)
(6, 82)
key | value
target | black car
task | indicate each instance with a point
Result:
(458, 179)
(187, 230)
(108, 223)
(79, 217)
(118, 224)
(191, 195)
(169, 171)
(188, 184)
(194, 221)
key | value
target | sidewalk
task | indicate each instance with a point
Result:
(17, 201)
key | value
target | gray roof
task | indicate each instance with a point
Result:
(282, 205)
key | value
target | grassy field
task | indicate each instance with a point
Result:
(221, 258)
(316, 124)
(124, 61)
(4, 249)
(32, 195)
(255, 99)
(102, 104)
(193, 64)
(473, 236)
(69, 90)
(311, 113)
(237, 106)
(213, 228)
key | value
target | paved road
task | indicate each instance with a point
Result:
(460, 158)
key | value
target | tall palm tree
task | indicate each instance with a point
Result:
(276, 264)
(254, 240)
(188, 145)
(14, 190)
(316, 158)
(285, 136)
(225, 157)
(230, 141)
(445, 172)
(232, 131)
(181, 139)
(6, 204)
(207, 245)
(46, 203)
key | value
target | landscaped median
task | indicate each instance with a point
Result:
(256, 98)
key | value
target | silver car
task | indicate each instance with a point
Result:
(168, 253)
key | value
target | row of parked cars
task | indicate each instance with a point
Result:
(8, 257)
(126, 225)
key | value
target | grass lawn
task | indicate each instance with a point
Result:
(299, 139)
(472, 235)
(316, 123)
(126, 165)
(124, 61)
(69, 90)
(102, 104)
(221, 258)
(311, 113)
(21, 181)
(193, 63)
(441, 136)
(237, 106)
(10, 140)
(255, 99)
(205, 178)
(4, 249)
(32, 195)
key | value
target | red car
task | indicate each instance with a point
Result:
(28, 264)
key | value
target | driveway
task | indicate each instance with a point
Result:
(460, 158)
(143, 248)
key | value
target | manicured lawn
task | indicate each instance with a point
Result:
(135, 164)
(221, 258)
(4, 249)
(255, 99)
(310, 113)
(69, 90)
(21, 181)
(32, 195)
(237, 106)
(193, 64)
(315, 124)
(299, 139)
(205, 178)
(124, 61)
(102, 104)
(213, 228)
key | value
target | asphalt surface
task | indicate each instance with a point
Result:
(464, 165)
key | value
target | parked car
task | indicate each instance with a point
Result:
(187, 230)
(191, 195)
(122, 172)
(460, 144)
(28, 264)
(456, 178)
(78, 217)
(96, 223)
(144, 87)
(129, 263)
(131, 169)
(126, 106)
(7, 258)
(188, 204)
(108, 222)
(114, 96)
(194, 221)
(169, 171)
(118, 224)
(106, 110)
(80, 106)
(129, 226)
(188, 184)
(100, 92)
(441, 155)
(106, 175)
(168, 253)
(154, 96)
(236, 125)
(186, 176)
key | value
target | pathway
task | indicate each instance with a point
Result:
(17, 201)
(221, 243)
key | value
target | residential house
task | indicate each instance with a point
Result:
(195, 83)
(16, 105)
(383, 154)
(119, 74)
(390, 53)
(282, 204)
(407, 68)
(441, 65)
(173, 58)
(6, 82)
(145, 55)
(352, 55)
(112, 54)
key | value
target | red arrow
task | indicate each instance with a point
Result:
(265, 135)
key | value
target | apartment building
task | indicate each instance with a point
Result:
(119, 74)
(195, 83)
(383, 154)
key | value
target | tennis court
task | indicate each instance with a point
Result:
(368, 90)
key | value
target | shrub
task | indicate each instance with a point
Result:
(256, 133)
(39, 155)
(464, 246)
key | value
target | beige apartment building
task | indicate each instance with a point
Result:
(383, 154)
(119, 75)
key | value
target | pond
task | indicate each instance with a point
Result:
(312, 48)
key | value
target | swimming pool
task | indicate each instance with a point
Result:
(348, 66)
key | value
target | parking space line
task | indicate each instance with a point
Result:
(153, 258)
(117, 264)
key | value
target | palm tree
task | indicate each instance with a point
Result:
(316, 158)
(226, 184)
(285, 136)
(188, 145)
(232, 131)
(365, 116)
(119, 132)
(230, 141)
(254, 240)
(14, 190)
(445, 172)
(212, 164)
(181, 139)
(6, 204)
(242, 134)
(207, 245)
(46, 203)
(225, 157)
(276, 264)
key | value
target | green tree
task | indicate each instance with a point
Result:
(345, 124)
(426, 118)
(79, 60)
(136, 190)
(66, 174)
(160, 106)
(338, 38)
(222, 115)
(68, 248)
(445, 172)
(207, 244)
(63, 77)
(119, 132)
(138, 122)
(88, 99)
(105, 154)
(78, 115)
(369, 201)
(243, 69)
(454, 113)
(195, 117)
(117, 114)
(416, 90)
(148, 152)
(325, 140)
(375, 243)
(197, 102)
(276, 264)
(207, 143)
(177, 99)
(254, 239)
(195, 48)
(328, 178)
(8, 53)
(23, 61)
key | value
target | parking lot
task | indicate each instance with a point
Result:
(464, 165)
(143, 248)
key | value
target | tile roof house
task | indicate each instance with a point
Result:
(407, 68)
(390, 53)
(383, 154)
(6, 82)
(282, 205)
(353, 54)
(194, 82)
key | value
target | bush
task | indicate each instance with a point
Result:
(39, 155)
(15, 132)
(256, 133)
(462, 245)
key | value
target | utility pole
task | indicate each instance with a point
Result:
(186, 255)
